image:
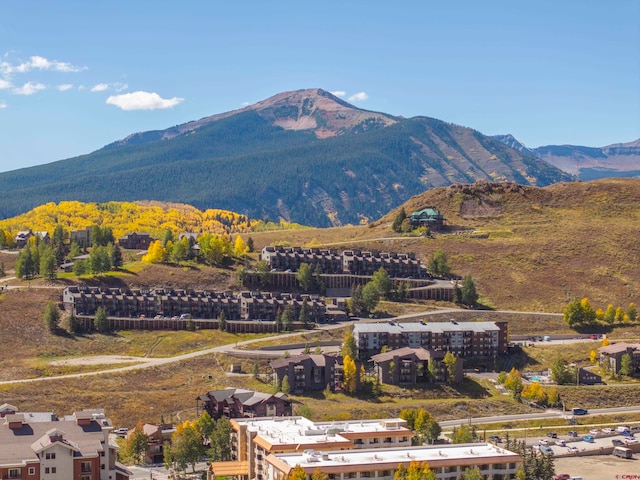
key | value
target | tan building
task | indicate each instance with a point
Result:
(448, 462)
(252, 440)
(35, 446)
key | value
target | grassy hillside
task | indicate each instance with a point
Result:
(527, 248)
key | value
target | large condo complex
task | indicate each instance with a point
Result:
(269, 449)
(464, 339)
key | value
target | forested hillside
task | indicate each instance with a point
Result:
(304, 157)
(123, 217)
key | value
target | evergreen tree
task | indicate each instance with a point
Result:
(48, 266)
(25, 263)
(438, 265)
(74, 324)
(57, 243)
(287, 318)
(74, 251)
(220, 447)
(222, 321)
(51, 317)
(79, 267)
(626, 365)
(115, 255)
(101, 321)
(469, 296)
(397, 221)
(250, 245)
(303, 315)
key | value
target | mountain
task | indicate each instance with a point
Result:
(587, 163)
(304, 156)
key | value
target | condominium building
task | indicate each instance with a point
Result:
(40, 446)
(252, 440)
(463, 339)
(448, 462)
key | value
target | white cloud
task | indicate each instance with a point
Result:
(358, 97)
(37, 62)
(28, 88)
(119, 87)
(3, 105)
(339, 93)
(101, 87)
(64, 87)
(4, 84)
(142, 101)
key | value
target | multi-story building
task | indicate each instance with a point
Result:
(448, 462)
(81, 237)
(463, 339)
(408, 365)
(309, 372)
(157, 436)
(240, 403)
(252, 440)
(126, 303)
(353, 262)
(35, 446)
(612, 355)
(136, 241)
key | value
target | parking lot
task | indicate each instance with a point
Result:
(599, 467)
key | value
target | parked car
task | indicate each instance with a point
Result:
(572, 433)
(606, 430)
(588, 438)
(594, 431)
(185, 316)
(495, 439)
(630, 441)
(546, 450)
(572, 449)
(617, 443)
(543, 441)
(561, 443)
(552, 435)
(121, 432)
(580, 411)
(623, 429)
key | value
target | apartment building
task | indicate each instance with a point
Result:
(408, 365)
(40, 446)
(448, 462)
(463, 339)
(84, 300)
(309, 372)
(354, 262)
(239, 403)
(252, 440)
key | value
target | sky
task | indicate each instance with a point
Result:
(76, 75)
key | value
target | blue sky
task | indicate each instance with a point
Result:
(77, 75)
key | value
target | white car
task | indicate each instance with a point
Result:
(543, 441)
(572, 449)
(561, 443)
(630, 441)
(606, 430)
(594, 432)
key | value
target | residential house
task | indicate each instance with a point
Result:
(408, 365)
(135, 241)
(448, 462)
(427, 217)
(612, 355)
(81, 237)
(587, 377)
(36, 446)
(239, 403)
(309, 372)
(157, 435)
(23, 237)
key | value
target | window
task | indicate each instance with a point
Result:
(47, 470)
(85, 467)
(85, 477)
(50, 456)
(53, 469)
(32, 470)
(14, 473)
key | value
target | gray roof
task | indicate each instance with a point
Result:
(619, 347)
(424, 327)
(21, 444)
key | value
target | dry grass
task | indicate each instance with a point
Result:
(535, 249)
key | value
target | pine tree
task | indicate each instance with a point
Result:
(285, 386)
(101, 321)
(222, 321)
(51, 317)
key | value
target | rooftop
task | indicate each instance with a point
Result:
(419, 327)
